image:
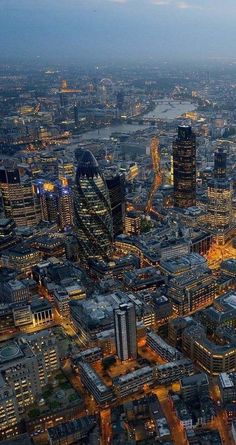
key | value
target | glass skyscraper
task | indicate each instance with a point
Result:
(93, 216)
(220, 194)
(184, 162)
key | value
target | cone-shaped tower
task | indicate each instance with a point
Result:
(92, 210)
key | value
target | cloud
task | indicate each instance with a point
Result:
(120, 2)
(161, 2)
(177, 4)
(183, 5)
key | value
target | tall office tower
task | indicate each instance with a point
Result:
(7, 233)
(48, 198)
(119, 103)
(65, 207)
(125, 331)
(220, 164)
(220, 195)
(92, 206)
(66, 169)
(116, 188)
(184, 159)
(49, 206)
(19, 198)
(76, 115)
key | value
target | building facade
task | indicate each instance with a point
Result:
(125, 331)
(92, 205)
(184, 160)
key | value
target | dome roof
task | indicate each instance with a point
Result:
(88, 165)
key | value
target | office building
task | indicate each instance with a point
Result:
(173, 371)
(14, 291)
(227, 386)
(93, 217)
(74, 431)
(184, 159)
(20, 201)
(116, 188)
(125, 331)
(220, 195)
(20, 258)
(157, 344)
(48, 201)
(132, 223)
(7, 233)
(9, 411)
(88, 355)
(66, 169)
(191, 291)
(27, 364)
(65, 208)
(94, 384)
(212, 357)
(222, 314)
(133, 381)
(192, 385)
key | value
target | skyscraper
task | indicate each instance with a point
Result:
(19, 198)
(92, 206)
(48, 200)
(116, 187)
(125, 331)
(65, 207)
(184, 159)
(220, 194)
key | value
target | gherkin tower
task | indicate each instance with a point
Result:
(93, 215)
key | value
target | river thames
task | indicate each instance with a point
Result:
(166, 109)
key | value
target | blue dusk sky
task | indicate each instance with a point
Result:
(117, 30)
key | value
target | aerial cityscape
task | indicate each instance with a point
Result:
(117, 229)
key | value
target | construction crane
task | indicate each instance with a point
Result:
(156, 161)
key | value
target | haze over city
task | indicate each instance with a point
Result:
(117, 222)
(121, 30)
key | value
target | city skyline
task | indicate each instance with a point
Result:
(117, 222)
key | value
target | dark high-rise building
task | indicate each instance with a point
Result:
(116, 187)
(119, 103)
(220, 194)
(220, 164)
(76, 115)
(184, 160)
(7, 233)
(49, 205)
(65, 207)
(125, 331)
(92, 206)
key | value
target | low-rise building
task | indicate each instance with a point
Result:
(173, 371)
(61, 301)
(176, 266)
(88, 355)
(157, 344)
(192, 290)
(227, 386)
(145, 278)
(133, 381)
(73, 431)
(94, 384)
(213, 358)
(192, 385)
